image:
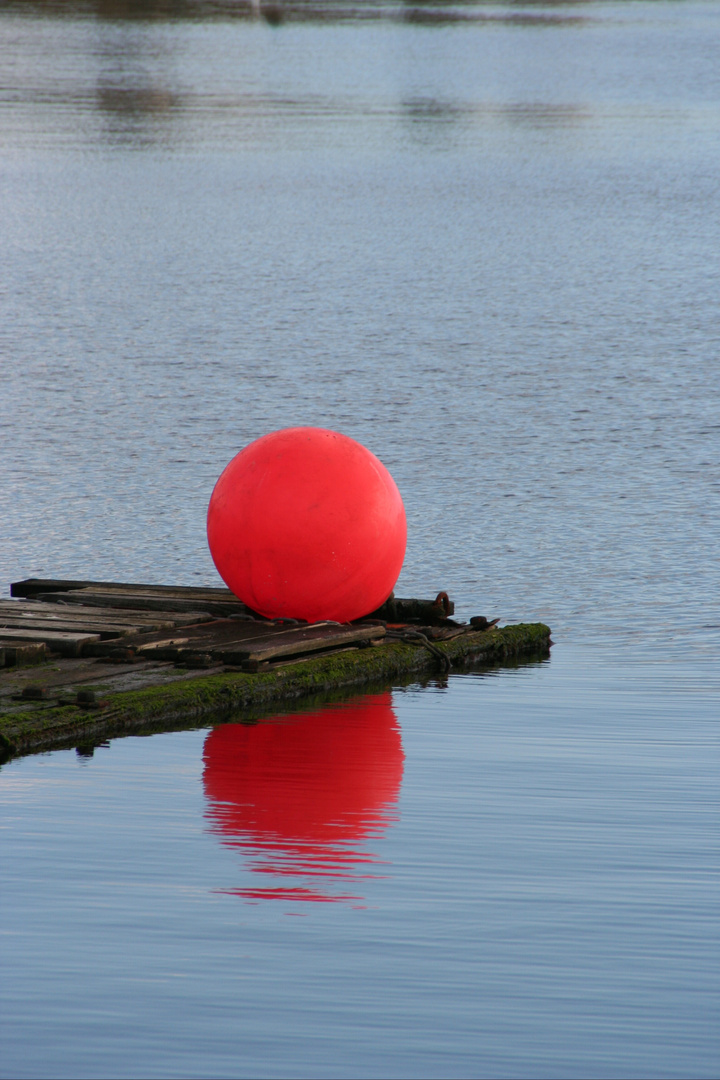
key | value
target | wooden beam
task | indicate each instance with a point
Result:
(32, 586)
(295, 644)
(92, 620)
(147, 602)
(22, 654)
(77, 612)
(69, 644)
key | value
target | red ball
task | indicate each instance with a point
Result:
(306, 523)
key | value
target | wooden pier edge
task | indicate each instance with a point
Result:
(223, 696)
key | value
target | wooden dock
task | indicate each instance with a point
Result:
(81, 660)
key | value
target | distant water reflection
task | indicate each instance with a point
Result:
(276, 13)
(301, 796)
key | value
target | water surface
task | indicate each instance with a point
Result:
(482, 239)
(488, 250)
(538, 898)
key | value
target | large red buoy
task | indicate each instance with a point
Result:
(306, 523)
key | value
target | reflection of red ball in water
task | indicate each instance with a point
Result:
(302, 791)
(307, 524)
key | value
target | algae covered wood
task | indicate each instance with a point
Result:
(136, 647)
(162, 697)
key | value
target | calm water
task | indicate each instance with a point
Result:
(487, 245)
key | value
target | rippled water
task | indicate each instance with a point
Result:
(482, 239)
(489, 251)
(518, 872)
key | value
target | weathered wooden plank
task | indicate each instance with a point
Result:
(78, 612)
(90, 620)
(165, 645)
(395, 609)
(264, 631)
(68, 644)
(32, 586)
(211, 637)
(155, 647)
(145, 621)
(295, 644)
(235, 642)
(90, 626)
(193, 636)
(81, 626)
(146, 602)
(182, 591)
(19, 654)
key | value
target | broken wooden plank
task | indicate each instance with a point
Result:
(68, 644)
(224, 634)
(170, 640)
(164, 644)
(234, 642)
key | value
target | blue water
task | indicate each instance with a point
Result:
(539, 899)
(487, 247)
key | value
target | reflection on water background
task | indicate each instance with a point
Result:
(482, 239)
(544, 905)
(302, 794)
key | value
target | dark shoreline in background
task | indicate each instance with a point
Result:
(224, 695)
(276, 12)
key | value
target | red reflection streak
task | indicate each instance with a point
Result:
(299, 794)
(288, 894)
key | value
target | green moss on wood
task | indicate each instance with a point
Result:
(185, 702)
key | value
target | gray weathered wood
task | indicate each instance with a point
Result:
(31, 609)
(80, 626)
(68, 644)
(212, 599)
(32, 586)
(166, 644)
(98, 625)
(146, 602)
(226, 634)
